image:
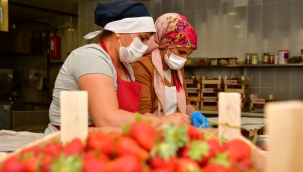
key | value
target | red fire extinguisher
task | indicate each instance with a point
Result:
(55, 46)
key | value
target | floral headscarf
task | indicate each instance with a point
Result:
(173, 31)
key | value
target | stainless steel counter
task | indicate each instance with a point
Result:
(208, 113)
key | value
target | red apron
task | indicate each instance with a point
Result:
(128, 93)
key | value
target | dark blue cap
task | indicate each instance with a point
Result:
(112, 11)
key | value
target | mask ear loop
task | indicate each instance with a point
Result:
(119, 41)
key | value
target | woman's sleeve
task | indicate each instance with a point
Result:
(185, 87)
(143, 76)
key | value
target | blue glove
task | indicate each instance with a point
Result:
(198, 119)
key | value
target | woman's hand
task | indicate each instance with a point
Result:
(177, 119)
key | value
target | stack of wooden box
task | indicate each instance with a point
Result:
(209, 92)
(257, 104)
(239, 85)
(194, 90)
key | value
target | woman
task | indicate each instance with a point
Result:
(103, 69)
(161, 73)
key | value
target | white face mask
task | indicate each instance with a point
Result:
(174, 62)
(133, 52)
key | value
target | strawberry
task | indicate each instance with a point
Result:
(13, 164)
(124, 163)
(193, 133)
(219, 163)
(31, 164)
(217, 168)
(101, 141)
(74, 147)
(94, 161)
(144, 133)
(187, 164)
(127, 145)
(214, 147)
(195, 150)
(158, 163)
(46, 162)
(53, 149)
(93, 165)
(95, 154)
(238, 150)
(32, 151)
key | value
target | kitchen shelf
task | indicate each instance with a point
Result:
(243, 114)
(246, 65)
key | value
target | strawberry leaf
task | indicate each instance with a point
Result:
(198, 149)
(221, 159)
(138, 117)
(176, 135)
(69, 163)
(164, 150)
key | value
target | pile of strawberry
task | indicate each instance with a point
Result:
(140, 147)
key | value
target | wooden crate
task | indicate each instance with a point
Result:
(209, 92)
(67, 135)
(237, 86)
(194, 89)
(258, 104)
(209, 103)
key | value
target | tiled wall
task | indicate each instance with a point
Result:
(230, 28)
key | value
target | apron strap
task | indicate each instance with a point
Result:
(124, 67)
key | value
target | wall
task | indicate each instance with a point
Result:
(230, 28)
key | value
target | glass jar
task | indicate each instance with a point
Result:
(265, 58)
(254, 58)
(271, 59)
(248, 58)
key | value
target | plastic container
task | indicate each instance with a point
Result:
(283, 56)
(214, 61)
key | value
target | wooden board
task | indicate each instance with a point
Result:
(285, 131)
(74, 115)
(194, 99)
(213, 108)
(205, 81)
(235, 90)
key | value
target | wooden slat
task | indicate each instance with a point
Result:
(74, 115)
(285, 131)
(230, 113)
